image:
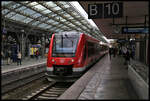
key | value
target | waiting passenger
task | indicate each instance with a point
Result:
(127, 57)
(110, 52)
(124, 51)
(2, 55)
(8, 57)
(115, 50)
(37, 54)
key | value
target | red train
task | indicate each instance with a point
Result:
(71, 53)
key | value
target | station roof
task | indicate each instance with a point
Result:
(49, 16)
(136, 13)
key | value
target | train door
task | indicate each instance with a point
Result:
(85, 54)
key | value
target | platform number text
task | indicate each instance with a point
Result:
(106, 10)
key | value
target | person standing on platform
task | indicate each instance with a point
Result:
(124, 51)
(37, 54)
(127, 57)
(19, 58)
(115, 52)
(2, 55)
(110, 52)
(8, 58)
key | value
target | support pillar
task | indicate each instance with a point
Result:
(22, 45)
(137, 50)
(22, 40)
(43, 45)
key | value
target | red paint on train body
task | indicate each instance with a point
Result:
(71, 53)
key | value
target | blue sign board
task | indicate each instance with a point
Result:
(135, 30)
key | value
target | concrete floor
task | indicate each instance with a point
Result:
(25, 63)
(110, 82)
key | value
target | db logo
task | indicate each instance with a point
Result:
(62, 61)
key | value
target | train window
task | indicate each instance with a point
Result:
(65, 45)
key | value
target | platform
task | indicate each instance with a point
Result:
(105, 80)
(25, 63)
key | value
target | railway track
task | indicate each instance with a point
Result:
(51, 91)
(8, 87)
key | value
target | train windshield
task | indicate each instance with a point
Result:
(65, 45)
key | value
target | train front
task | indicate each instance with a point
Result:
(62, 57)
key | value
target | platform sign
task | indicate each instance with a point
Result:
(135, 30)
(113, 10)
(95, 11)
(105, 10)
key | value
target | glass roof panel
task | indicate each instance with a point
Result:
(57, 17)
(18, 17)
(43, 19)
(40, 7)
(63, 20)
(64, 27)
(55, 22)
(25, 2)
(51, 21)
(5, 2)
(61, 2)
(66, 6)
(61, 12)
(21, 8)
(27, 20)
(35, 23)
(57, 30)
(74, 13)
(5, 11)
(59, 25)
(29, 11)
(36, 15)
(57, 8)
(67, 15)
(49, 26)
(67, 22)
(10, 14)
(46, 11)
(70, 18)
(78, 16)
(52, 28)
(14, 6)
(51, 4)
(70, 24)
(32, 3)
(43, 25)
(77, 23)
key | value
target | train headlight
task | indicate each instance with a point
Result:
(53, 60)
(72, 60)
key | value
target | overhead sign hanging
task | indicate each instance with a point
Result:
(105, 10)
(135, 30)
